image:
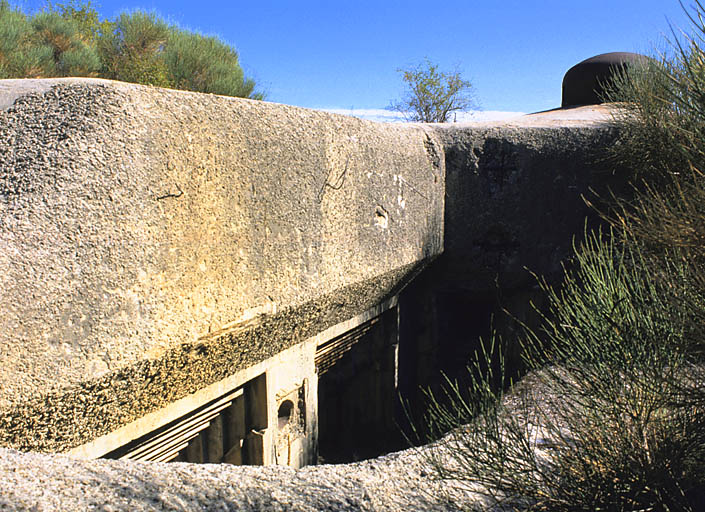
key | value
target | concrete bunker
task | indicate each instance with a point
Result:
(149, 306)
(341, 408)
(261, 315)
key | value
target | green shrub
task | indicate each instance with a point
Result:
(662, 120)
(134, 50)
(19, 56)
(611, 416)
(205, 64)
(612, 413)
(81, 61)
(431, 95)
(69, 39)
(85, 18)
(71, 56)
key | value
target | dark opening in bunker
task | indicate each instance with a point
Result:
(284, 413)
(357, 392)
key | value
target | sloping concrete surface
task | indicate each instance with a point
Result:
(40, 482)
(568, 117)
(155, 241)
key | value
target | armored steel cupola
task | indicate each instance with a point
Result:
(584, 83)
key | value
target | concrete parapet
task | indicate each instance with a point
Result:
(514, 207)
(154, 242)
(514, 194)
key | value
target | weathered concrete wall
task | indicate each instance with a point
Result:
(514, 194)
(35, 481)
(156, 245)
(153, 242)
(513, 209)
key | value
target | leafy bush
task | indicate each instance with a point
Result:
(205, 64)
(662, 120)
(70, 55)
(19, 54)
(85, 17)
(611, 416)
(70, 40)
(612, 413)
(432, 95)
(134, 50)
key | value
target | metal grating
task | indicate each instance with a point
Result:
(332, 351)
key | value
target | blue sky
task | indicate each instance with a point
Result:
(344, 54)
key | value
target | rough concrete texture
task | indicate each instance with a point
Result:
(155, 241)
(513, 209)
(404, 481)
(514, 195)
(41, 482)
(401, 481)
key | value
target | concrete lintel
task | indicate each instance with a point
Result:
(175, 410)
(360, 319)
(157, 419)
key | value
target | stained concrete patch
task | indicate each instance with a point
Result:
(514, 194)
(63, 419)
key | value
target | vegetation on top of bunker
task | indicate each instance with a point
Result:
(612, 414)
(70, 40)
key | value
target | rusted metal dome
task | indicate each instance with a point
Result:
(583, 84)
